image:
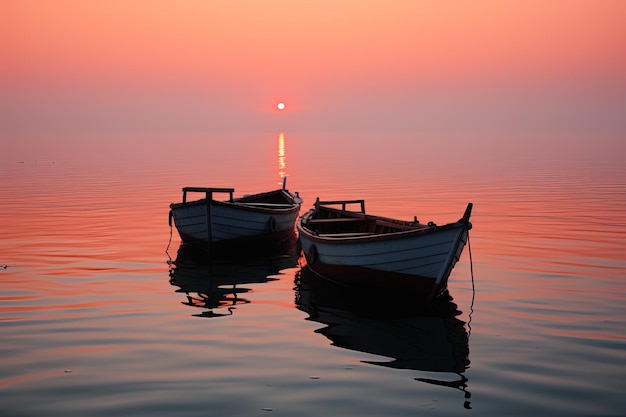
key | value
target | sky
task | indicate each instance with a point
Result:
(403, 65)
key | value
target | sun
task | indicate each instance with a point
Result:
(281, 106)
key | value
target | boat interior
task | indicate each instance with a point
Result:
(340, 222)
(271, 197)
(280, 198)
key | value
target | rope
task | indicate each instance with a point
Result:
(168, 245)
(469, 321)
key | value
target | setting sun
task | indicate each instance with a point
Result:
(281, 106)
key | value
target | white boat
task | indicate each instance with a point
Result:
(362, 250)
(250, 220)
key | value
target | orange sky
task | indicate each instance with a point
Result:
(198, 64)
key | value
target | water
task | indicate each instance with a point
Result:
(95, 319)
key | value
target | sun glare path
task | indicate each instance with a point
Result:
(282, 163)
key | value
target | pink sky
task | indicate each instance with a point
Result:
(146, 65)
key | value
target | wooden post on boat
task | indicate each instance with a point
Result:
(467, 214)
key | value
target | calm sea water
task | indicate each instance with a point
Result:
(103, 313)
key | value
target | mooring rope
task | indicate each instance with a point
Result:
(469, 321)
(169, 242)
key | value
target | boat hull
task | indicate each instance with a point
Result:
(419, 260)
(224, 224)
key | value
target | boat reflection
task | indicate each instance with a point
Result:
(216, 285)
(428, 339)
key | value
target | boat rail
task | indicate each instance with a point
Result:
(208, 192)
(343, 203)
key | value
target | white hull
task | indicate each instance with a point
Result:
(357, 249)
(230, 222)
(425, 255)
(264, 216)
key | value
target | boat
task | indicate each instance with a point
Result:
(399, 334)
(235, 222)
(353, 248)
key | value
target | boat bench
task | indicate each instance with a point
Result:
(371, 225)
(393, 225)
(339, 235)
(337, 220)
(340, 225)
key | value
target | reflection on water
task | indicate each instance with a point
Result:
(422, 338)
(83, 234)
(218, 282)
(282, 159)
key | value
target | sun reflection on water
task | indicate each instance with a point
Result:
(282, 159)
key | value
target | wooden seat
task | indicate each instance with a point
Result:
(335, 220)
